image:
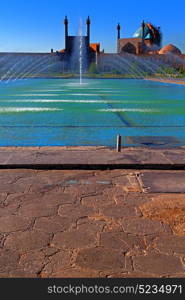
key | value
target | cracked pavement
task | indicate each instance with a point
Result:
(92, 223)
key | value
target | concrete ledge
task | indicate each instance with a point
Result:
(92, 158)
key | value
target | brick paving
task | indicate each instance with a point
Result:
(92, 223)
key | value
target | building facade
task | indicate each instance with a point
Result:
(145, 43)
(77, 47)
(147, 39)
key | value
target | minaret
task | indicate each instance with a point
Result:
(88, 22)
(142, 50)
(66, 30)
(118, 29)
(118, 37)
(143, 29)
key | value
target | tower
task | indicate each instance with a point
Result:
(66, 30)
(143, 30)
(88, 22)
(118, 29)
(118, 37)
(143, 46)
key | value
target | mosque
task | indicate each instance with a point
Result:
(146, 40)
(145, 43)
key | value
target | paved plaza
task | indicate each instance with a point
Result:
(118, 222)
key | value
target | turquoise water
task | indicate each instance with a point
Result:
(39, 112)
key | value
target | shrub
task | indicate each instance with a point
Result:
(93, 68)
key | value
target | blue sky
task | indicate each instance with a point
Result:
(37, 25)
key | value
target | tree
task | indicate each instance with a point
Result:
(93, 68)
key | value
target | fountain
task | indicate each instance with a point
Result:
(80, 50)
(78, 61)
(133, 66)
(41, 112)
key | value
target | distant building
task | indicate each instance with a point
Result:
(71, 52)
(145, 43)
(147, 39)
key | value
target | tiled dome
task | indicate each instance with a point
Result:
(169, 49)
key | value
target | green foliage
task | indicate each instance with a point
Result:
(116, 72)
(169, 70)
(93, 68)
(160, 70)
(134, 66)
(182, 71)
(166, 70)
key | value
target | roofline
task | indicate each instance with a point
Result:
(25, 53)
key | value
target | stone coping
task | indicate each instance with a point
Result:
(97, 157)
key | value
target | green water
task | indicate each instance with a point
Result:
(39, 112)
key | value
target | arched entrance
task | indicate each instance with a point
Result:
(129, 48)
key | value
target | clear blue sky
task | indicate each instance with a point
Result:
(37, 25)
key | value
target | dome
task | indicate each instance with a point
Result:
(170, 49)
(138, 33)
(149, 32)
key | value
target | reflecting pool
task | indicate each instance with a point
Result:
(40, 112)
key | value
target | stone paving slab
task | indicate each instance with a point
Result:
(175, 156)
(165, 182)
(97, 156)
(91, 223)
